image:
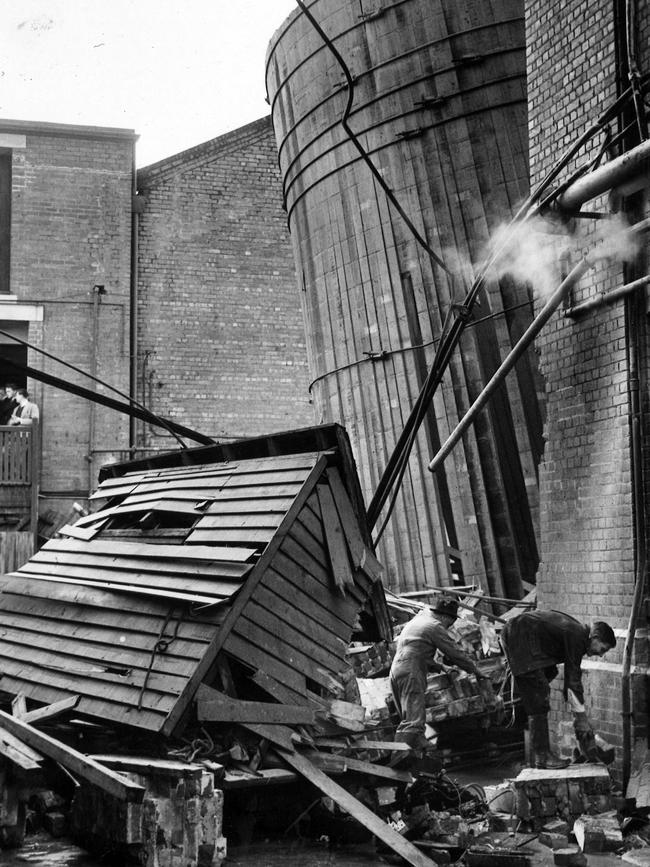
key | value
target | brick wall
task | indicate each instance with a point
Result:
(587, 519)
(70, 231)
(221, 336)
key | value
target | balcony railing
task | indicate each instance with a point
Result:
(19, 475)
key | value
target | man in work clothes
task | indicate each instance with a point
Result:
(535, 643)
(416, 647)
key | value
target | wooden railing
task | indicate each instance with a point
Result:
(19, 473)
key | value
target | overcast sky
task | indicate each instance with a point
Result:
(178, 72)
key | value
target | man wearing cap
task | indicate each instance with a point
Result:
(535, 643)
(416, 648)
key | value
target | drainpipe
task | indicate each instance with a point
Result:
(98, 291)
(133, 301)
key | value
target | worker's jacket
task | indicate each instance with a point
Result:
(544, 639)
(418, 641)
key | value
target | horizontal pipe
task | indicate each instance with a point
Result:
(606, 297)
(612, 174)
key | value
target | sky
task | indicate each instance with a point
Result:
(178, 72)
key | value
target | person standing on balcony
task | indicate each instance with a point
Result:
(8, 403)
(26, 412)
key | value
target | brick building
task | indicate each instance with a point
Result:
(65, 227)
(593, 476)
(221, 344)
(219, 340)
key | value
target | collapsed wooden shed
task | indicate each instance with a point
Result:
(255, 553)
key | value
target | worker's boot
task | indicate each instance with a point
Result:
(543, 757)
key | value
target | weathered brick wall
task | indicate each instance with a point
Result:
(70, 231)
(221, 336)
(587, 519)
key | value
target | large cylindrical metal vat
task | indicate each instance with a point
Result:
(439, 105)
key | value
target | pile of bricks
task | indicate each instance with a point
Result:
(370, 660)
(544, 795)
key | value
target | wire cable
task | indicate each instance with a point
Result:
(355, 141)
(163, 422)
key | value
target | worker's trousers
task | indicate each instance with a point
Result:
(408, 685)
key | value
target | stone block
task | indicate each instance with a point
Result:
(569, 857)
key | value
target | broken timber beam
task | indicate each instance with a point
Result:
(79, 765)
(389, 836)
(20, 754)
(49, 711)
(215, 706)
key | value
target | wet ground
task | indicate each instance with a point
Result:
(40, 850)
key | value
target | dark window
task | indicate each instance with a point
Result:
(5, 219)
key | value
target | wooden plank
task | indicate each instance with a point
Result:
(356, 809)
(276, 734)
(282, 693)
(20, 754)
(142, 549)
(69, 645)
(217, 569)
(336, 544)
(255, 657)
(293, 635)
(239, 778)
(79, 765)
(19, 706)
(278, 646)
(367, 744)
(342, 607)
(245, 536)
(362, 556)
(132, 627)
(341, 764)
(215, 706)
(151, 766)
(127, 588)
(50, 711)
(84, 533)
(79, 674)
(100, 708)
(242, 598)
(241, 519)
(333, 641)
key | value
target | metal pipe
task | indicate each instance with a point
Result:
(606, 297)
(614, 173)
(511, 359)
(522, 344)
(98, 291)
(640, 532)
(133, 302)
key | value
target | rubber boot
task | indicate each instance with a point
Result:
(543, 757)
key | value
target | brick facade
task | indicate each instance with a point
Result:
(587, 503)
(70, 231)
(220, 330)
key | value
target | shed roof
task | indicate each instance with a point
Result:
(131, 607)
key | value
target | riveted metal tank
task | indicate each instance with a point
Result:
(439, 106)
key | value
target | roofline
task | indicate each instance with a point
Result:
(69, 130)
(197, 150)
